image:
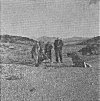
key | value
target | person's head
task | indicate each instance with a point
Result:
(35, 42)
(58, 38)
(68, 54)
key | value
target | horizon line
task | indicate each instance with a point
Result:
(32, 37)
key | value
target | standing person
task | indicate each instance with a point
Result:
(56, 49)
(35, 51)
(58, 44)
(48, 48)
(40, 53)
(41, 47)
(60, 50)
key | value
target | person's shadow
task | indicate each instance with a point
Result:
(56, 65)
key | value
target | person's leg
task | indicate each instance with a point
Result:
(32, 55)
(50, 56)
(36, 58)
(60, 55)
(56, 54)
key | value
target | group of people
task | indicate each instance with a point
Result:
(42, 52)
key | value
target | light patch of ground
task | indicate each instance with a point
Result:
(50, 84)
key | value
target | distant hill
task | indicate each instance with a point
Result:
(74, 40)
(16, 39)
(46, 39)
(94, 40)
(67, 41)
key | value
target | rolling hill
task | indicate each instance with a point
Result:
(46, 39)
(16, 39)
(94, 40)
(67, 41)
(74, 40)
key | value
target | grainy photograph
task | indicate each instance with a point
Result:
(49, 50)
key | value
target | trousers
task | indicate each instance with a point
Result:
(58, 54)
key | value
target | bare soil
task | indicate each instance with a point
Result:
(22, 81)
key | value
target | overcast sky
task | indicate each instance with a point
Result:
(56, 18)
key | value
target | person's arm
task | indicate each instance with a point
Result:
(32, 50)
(51, 46)
(55, 44)
(62, 43)
(45, 49)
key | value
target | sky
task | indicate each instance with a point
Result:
(52, 18)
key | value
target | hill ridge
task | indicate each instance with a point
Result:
(16, 39)
(94, 40)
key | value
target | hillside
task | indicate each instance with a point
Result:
(46, 39)
(16, 39)
(22, 81)
(94, 40)
(72, 40)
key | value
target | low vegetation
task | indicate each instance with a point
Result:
(22, 81)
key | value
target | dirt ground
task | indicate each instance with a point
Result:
(22, 81)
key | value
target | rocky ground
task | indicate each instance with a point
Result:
(22, 81)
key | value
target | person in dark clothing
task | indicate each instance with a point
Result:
(77, 60)
(58, 44)
(48, 48)
(34, 51)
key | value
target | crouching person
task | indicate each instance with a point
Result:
(77, 61)
(48, 48)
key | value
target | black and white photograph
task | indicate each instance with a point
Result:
(49, 50)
